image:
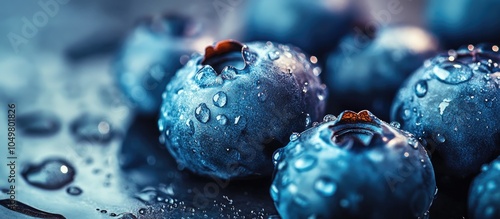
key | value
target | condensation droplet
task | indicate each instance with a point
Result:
(51, 174)
(74, 190)
(294, 136)
(220, 99)
(222, 119)
(440, 138)
(325, 186)
(452, 73)
(395, 124)
(305, 163)
(202, 113)
(262, 96)
(421, 88)
(273, 55)
(190, 125)
(329, 118)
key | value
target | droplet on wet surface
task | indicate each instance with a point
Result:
(325, 186)
(421, 88)
(51, 174)
(395, 125)
(305, 163)
(74, 190)
(222, 119)
(206, 76)
(38, 123)
(202, 113)
(329, 118)
(294, 136)
(273, 55)
(93, 129)
(190, 126)
(452, 73)
(220, 99)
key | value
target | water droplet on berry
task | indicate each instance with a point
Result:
(294, 136)
(421, 88)
(395, 124)
(413, 143)
(222, 119)
(220, 99)
(262, 96)
(325, 186)
(439, 138)
(190, 126)
(305, 163)
(277, 155)
(206, 76)
(50, 174)
(202, 113)
(273, 55)
(228, 73)
(329, 118)
(274, 192)
(249, 57)
(452, 73)
(38, 123)
(308, 120)
(74, 190)
(316, 71)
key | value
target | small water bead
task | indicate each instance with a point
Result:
(262, 96)
(308, 120)
(190, 125)
(220, 99)
(202, 113)
(329, 118)
(74, 190)
(452, 73)
(395, 124)
(413, 143)
(294, 136)
(50, 174)
(228, 73)
(305, 163)
(273, 55)
(325, 186)
(222, 119)
(421, 88)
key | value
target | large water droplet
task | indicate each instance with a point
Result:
(325, 186)
(452, 73)
(206, 76)
(202, 113)
(220, 99)
(421, 88)
(222, 119)
(50, 174)
(305, 163)
(92, 129)
(273, 55)
(38, 123)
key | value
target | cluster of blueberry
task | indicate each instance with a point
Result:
(239, 109)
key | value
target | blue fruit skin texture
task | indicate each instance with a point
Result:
(314, 26)
(484, 195)
(227, 123)
(149, 57)
(376, 170)
(365, 73)
(457, 115)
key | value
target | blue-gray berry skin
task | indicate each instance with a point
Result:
(452, 103)
(366, 73)
(484, 195)
(150, 56)
(225, 112)
(354, 166)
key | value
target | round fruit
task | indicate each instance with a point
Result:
(150, 57)
(484, 195)
(354, 166)
(366, 73)
(225, 112)
(452, 103)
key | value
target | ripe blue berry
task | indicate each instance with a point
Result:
(484, 196)
(355, 166)
(452, 103)
(365, 72)
(150, 57)
(225, 112)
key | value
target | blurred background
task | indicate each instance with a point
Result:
(77, 70)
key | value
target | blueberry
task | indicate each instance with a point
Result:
(314, 26)
(365, 72)
(354, 166)
(150, 57)
(464, 22)
(452, 103)
(225, 112)
(484, 196)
